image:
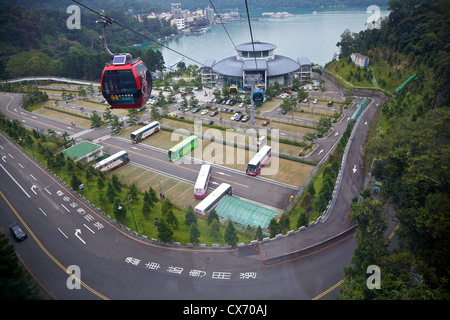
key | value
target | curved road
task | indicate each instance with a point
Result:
(114, 264)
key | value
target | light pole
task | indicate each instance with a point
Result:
(131, 209)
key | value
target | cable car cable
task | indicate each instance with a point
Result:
(108, 19)
(223, 25)
(251, 35)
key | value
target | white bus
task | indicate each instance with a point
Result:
(116, 160)
(258, 161)
(211, 201)
(201, 185)
(144, 132)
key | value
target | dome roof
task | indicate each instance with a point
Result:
(259, 46)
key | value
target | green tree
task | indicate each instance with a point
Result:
(148, 199)
(75, 182)
(110, 192)
(15, 283)
(146, 210)
(96, 120)
(133, 117)
(274, 228)
(302, 220)
(230, 235)
(100, 183)
(119, 211)
(172, 219)
(259, 234)
(369, 215)
(116, 183)
(116, 124)
(285, 223)
(166, 206)
(190, 217)
(165, 231)
(194, 233)
(212, 216)
(214, 229)
(133, 192)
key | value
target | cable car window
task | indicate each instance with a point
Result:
(116, 81)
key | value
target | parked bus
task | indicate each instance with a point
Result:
(201, 185)
(211, 201)
(144, 132)
(116, 160)
(258, 161)
(185, 146)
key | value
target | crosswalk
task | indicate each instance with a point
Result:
(81, 133)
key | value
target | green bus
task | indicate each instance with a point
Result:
(185, 146)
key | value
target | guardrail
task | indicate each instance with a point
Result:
(50, 78)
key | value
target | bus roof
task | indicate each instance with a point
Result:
(260, 155)
(183, 143)
(105, 161)
(145, 128)
(203, 176)
(212, 197)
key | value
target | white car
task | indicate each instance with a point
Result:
(241, 105)
(233, 117)
(315, 101)
(205, 111)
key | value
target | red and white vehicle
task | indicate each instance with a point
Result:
(258, 161)
(201, 185)
(213, 199)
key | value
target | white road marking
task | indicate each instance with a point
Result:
(16, 182)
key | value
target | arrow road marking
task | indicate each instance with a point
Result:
(77, 231)
(354, 169)
(224, 174)
(320, 151)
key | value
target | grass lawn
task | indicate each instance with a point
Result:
(289, 172)
(64, 117)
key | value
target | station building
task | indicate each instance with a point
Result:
(253, 60)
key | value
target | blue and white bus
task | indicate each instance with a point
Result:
(116, 160)
(144, 132)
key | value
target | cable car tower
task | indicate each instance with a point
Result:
(253, 80)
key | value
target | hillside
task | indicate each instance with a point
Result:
(410, 145)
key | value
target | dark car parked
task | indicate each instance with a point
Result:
(17, 232)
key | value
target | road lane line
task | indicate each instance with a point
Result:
(16, 182)
(88, 228)
(176, 165)
(43, 212)
(63, 233)
(32, 161)
(48, 253)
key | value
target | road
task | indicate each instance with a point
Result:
(156, 159)
(64, 231)
(114, 264)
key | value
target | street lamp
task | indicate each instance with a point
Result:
(131, 209)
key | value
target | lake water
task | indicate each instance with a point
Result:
(303, 35)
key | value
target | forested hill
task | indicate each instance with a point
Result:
(146, 6)
(411, 149)
(37, 42)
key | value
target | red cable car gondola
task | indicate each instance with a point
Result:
(126, 82)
